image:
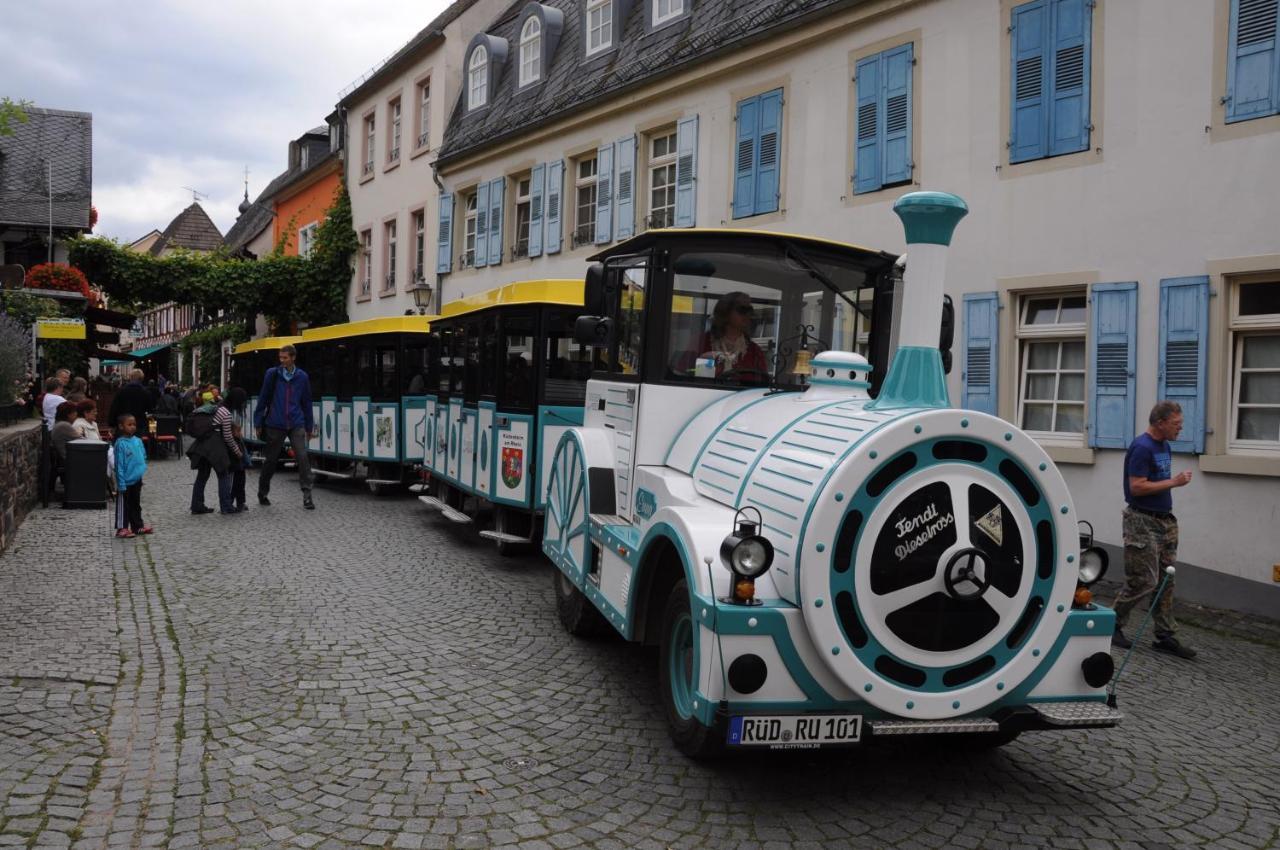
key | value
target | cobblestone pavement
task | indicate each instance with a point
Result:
(367, 675)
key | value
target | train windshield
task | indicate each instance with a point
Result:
(753, 315)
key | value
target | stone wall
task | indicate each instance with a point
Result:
(19, 475)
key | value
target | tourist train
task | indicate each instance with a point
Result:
(738, 446)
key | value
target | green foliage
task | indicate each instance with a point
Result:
(282, 289)
(15, 359)
(26, 308)
(208, 345)
(12, 112)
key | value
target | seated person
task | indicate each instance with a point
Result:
(728, 343)
(63, 428)
(86, 423)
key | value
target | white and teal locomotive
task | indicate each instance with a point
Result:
(824, 551)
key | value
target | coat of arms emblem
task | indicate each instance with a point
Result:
(512, 466)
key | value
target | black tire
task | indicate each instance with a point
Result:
(578, 616)
(694, 738)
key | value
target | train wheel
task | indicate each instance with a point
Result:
(578, 616)
(678, 678)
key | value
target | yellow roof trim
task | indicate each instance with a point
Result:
(561, 291)
(266, 342)
(387, 325)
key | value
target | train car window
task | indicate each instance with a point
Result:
(488, 357)
(567, 364)
(328, 369)
(387, 387)
(471, 363)
(365, 373)
(741, 315)
(516, 353)
(630, 280)
(444, 360)
(344, 365)
(415, 366)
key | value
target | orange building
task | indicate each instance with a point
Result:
(307, 191)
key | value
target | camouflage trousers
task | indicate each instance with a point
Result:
(1150, 545)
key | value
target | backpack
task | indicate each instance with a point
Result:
(199, 425)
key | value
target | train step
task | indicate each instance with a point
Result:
(328, 474)
(449, 513)
(503, 537)
(417, 488)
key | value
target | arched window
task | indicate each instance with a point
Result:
(530, 51)
(478, 78)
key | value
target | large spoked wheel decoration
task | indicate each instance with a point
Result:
(941, 586)
(565, 537)
(678, 677)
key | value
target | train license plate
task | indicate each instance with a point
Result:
(794, 731)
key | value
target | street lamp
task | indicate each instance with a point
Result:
(421, 295)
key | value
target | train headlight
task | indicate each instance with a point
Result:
(747, 554)
(1093, 565)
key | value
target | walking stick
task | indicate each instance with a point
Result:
(1168, 574)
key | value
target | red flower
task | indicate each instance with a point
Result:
(59, 276)
(93, 217)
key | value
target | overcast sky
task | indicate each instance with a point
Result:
(189, 93)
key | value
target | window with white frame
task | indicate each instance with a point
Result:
(366, 262)
(665, 10)
(389, 234)
(599, 26)
(393, 139)
(1051, 365)
(468, 258)
(478, 78)
(1255, 365)
(523, 209)
(584, 230)
(307, 239)
(530, 50)
(424, 113)
(370, 144)
(662, 179)
(419, 245)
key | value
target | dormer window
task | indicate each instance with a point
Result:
(599, 26)
(530, 51)
(478, 78)
(666, 10)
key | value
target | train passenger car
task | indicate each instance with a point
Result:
(817, 565)
(508, 378)
(368, 397)
(249, 363)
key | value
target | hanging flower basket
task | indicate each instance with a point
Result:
(58, 277)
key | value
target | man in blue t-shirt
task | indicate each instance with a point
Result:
(1150, 528)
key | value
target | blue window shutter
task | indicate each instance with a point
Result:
(866, 163)
(1113, 345)
(686, 171)
(537, 191)
(1027, 124)
(497, 196)
(624, 193)
(482, 225)
(981, 346)
(1069, 60)
(895, 141)
(604, 194)
(444, 235)
(769, 152)
(555, 179)
(745, 150)
(1184, 351)
(1253, 72)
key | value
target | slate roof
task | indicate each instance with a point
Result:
(572, 83)
(261, 211)
(191, 229)
(62, 138)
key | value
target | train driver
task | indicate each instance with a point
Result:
(726, 348)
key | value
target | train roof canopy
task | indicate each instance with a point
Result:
(266, 342)
(386, 325)
(646, 240)
(557, 292)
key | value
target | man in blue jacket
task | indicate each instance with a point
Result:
(284, 410)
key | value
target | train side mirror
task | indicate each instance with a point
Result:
(948, 332)
(593, 291)
(595, 331)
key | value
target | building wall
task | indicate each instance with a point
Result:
(1166, 189)
(301, 208)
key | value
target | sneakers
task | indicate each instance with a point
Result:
(307, 503)
(263, 500)
(124, 532)
(1118, 639)
(1170, 644)
(146, 529)
(202, 510)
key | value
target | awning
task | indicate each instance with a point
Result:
(143, 353)
(110, 318)
(116, 362)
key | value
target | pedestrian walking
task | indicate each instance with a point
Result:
(1150, 528)
(284, 410)
(213, 450)
(130, 458)
(236, 397)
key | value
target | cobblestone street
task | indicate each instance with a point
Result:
(369, 675)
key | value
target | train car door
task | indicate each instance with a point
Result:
(511, 448)
(486, 405)
(470, 412)
(384, 416)
(437, 459)
(458, 356)
(562, 388)
(345, 362)
(329, 403)
(415, 375)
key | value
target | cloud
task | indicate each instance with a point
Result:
(189, 94)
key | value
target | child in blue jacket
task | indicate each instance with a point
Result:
(131, 465)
